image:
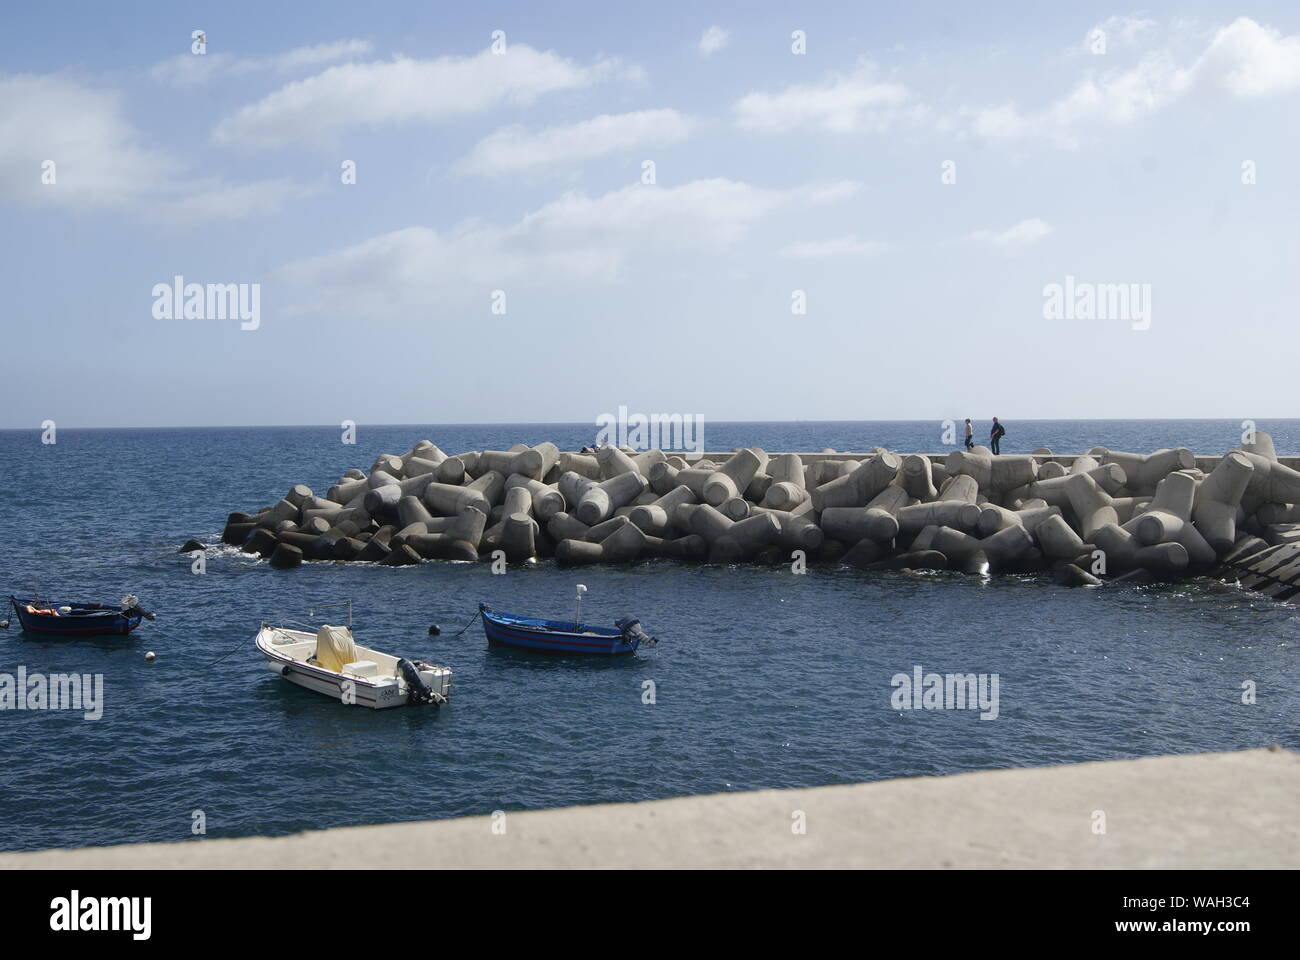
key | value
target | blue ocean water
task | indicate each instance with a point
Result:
(762, 679)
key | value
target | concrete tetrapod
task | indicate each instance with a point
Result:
(1002, 548)
(695, 478)
(1270, 482)
(993, 474)
(994, 518)
(606, 528)
(447, 501)
(663, 477)
(547, 499)
(731, 479)
(517, 500)
(703, 519)
(745, 538)
(1057, 539)
(654, 518)
(1168, 519)
(614, 461)
(956, 508)
(1121, 551)
(565, 526)
(412, 510)
(737, 508)
(785, 495)
(917, 478)
(852, 524)
(298, 494)
(787, 488)
(797, 528)
(1144, 471)
(1109, 477)
(519, 537)
(286, 555)
(1218, 501)
(418, 466)
(855, 488)
(1091, 505)
(492, 484)
(622, 546)
(600, 500)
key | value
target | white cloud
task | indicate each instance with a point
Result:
(713, 40)
(1117, 97)
(512, 149)
(847, 247)
(302, 57)
(1243, 60)
(1023, 234)
(1246, 59)
(204, 201)
(573, 239)
(100, 160)
(842, 104)
(1121, 29)
(318, 108)
(191, 69)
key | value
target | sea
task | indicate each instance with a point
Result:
(763, 677)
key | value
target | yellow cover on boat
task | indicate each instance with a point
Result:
(334, 647)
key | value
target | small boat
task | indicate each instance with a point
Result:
(563, 636)
(78, 619)
(330, 662)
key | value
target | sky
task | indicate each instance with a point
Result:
(472, 213)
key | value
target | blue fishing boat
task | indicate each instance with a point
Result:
(78, 619)
(563, 636)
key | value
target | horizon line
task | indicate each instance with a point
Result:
(572, 423)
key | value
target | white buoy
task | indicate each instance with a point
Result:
(149, 657)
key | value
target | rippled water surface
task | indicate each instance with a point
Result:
(762, 679)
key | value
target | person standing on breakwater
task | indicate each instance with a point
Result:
(970, 443)
(996, 435)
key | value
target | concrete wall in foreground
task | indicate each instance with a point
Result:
(1223, 810)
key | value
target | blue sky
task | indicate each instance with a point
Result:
(522, 171)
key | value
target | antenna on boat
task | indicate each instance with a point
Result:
(577, 613)
(311, 611)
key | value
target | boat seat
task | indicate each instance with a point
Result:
(42, 611)
(362, 668)
(335, 648)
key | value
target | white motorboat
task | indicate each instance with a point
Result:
(329, 661)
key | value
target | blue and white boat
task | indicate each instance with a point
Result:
(78, 619)
(563, 636)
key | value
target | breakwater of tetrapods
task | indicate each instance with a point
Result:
(1088, 516)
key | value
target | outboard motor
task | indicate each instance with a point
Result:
(131, 605)
(417, 691)
(633, 634)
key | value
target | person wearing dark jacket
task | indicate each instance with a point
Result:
(995, 435)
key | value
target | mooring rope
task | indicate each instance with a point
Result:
(467, 626)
